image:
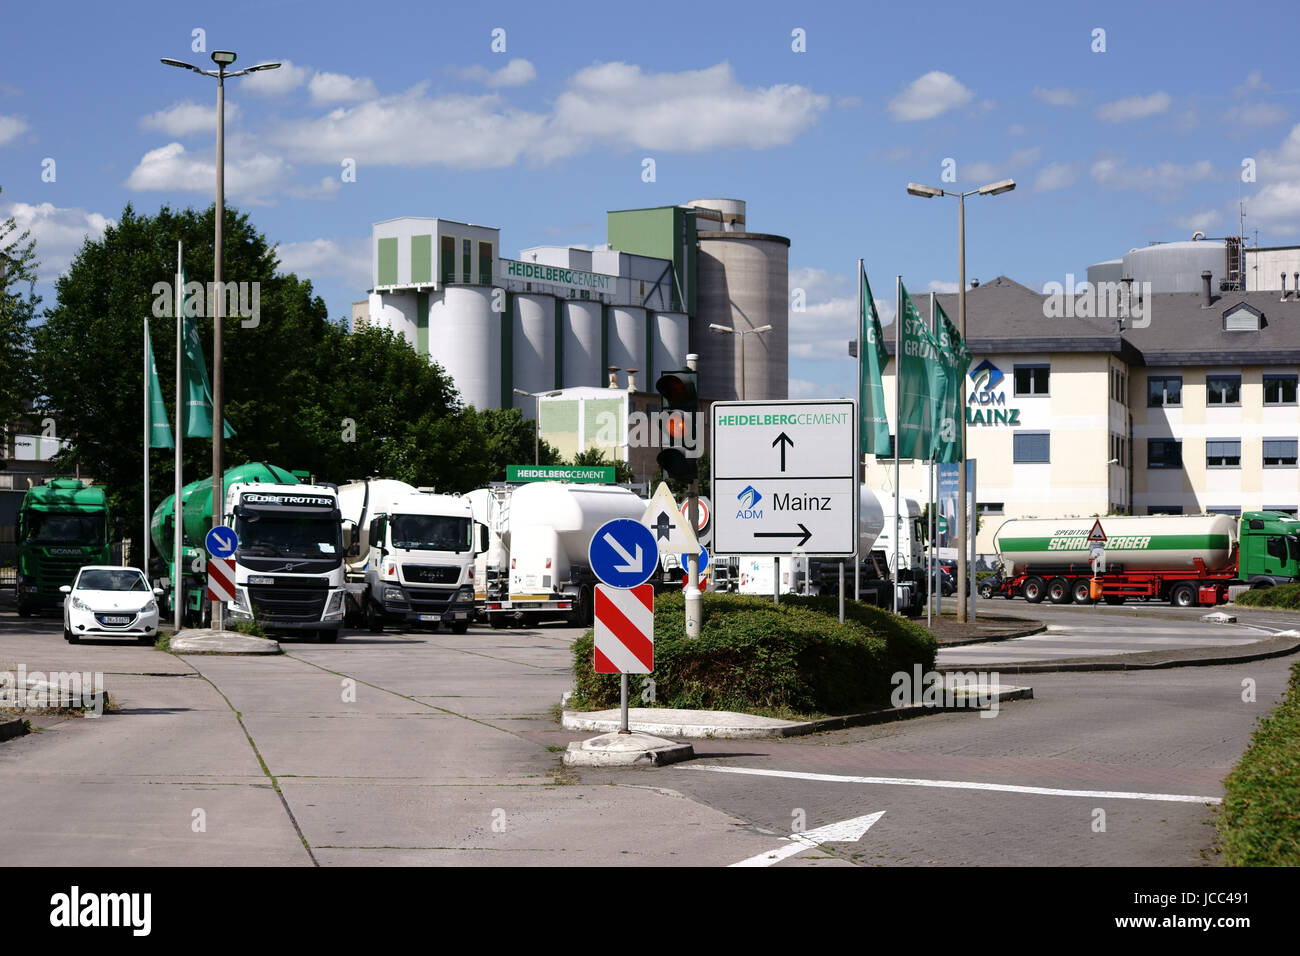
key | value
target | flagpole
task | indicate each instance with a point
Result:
(899, 312)
(932, 556)
(148, 428)
(178, 591)
(862, 459)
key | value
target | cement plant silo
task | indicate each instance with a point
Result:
(582, 332)
(1177, 266)
(627, 338)
(1112, 270)
(743, 284)
(465, 339)
(671, 343)
(534, 346)
(395, 312)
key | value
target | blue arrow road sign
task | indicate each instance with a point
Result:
(623, 553)
(704, 559)
(221, 542)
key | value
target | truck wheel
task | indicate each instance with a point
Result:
(460, 627)
(1058, 591)
(24, 610)
(496, 622)
(1081, 592)
(327, 637)
(1034, 590)
(1184, 595)
(374, 620)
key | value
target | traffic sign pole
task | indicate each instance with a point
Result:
(694, 600)
(622, 683)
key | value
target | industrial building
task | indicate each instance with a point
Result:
(1178, 266)
(557, 317)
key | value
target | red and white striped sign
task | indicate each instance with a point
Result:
(221, 579)
(625, 630)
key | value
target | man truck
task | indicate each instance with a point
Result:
(62, 527)
(410, 555)
(1187, 560)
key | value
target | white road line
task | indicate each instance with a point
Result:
(846, 831)
(964, 785)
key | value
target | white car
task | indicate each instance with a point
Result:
(106, 601)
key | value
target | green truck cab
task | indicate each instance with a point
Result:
(1268, 550)
(63, 525)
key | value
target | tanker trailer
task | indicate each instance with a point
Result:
(548, 528)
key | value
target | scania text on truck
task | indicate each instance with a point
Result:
(62, 526)
(410, 555)
(1187, 560)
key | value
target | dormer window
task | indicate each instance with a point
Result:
(1242, 318)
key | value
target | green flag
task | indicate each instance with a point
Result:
(956, 360)
(921, 382)
(160, 434)
(874, 427)
(198, 393)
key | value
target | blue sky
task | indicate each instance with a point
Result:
(1144, 141)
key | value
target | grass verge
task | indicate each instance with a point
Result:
(1284, 595)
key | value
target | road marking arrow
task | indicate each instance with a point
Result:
(633, 565)
(784, 441)
(787, 534)
(845, 831)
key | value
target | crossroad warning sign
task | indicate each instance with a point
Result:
(625, 630)
(221, 579)
(1096, 535)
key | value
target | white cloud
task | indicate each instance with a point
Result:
(979, 172)
(1113, 174)
(11, 127)
(327, 188)
(929, 96)
(799, 388)
(1055, 176)
(341, 88)
(940, 286)
(1256, 114)
(1015, 129)
(1199, 221)
(1254, 82)
(59, 232)
(1058, 96)
(1134, 107)
(276, 82)
(170, 167)
(186, 117)
(328, 261)
(1277, 203)
(518, 72)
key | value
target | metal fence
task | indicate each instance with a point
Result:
(8, 565)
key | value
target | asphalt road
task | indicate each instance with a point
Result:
(441, 749)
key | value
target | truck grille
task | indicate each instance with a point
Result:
(56, 571)
(430, 573)
(430, 600)
(278, 603)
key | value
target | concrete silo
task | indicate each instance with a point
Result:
(465, 339)
(533, 346)
(671, 343)
(743, 284)
(581, 343)
(1177, 266)
(627, 338)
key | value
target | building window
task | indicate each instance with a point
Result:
(1234, 512)
(1165, 510)
(1223, 453)
(467, 266)
(1164, 453)
(1031, 379)
(1164, 391)
(1279, 389)
(485, 263)
(446, 259)
(1223, 390)
(991, 507)
(1280, 452)
(1032, 447)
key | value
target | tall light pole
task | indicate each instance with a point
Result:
(929, 192)
(223, 59)
(741, 333)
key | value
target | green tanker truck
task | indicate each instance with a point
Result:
(63, 526)
(196, 518)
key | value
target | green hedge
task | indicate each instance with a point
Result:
(1284, 595)
(790, 660)
(1260, 822)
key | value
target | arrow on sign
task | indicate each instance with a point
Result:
(846, 831)
(633, 565)
(226, 543)
(787, 534)
(783, 440)
(663, 526)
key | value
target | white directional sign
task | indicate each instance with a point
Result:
(673, 534)
(785, 478)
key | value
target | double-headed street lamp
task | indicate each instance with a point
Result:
(930, 192)
(223, 59)
(741, 333)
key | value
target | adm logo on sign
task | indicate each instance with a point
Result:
(749, 499)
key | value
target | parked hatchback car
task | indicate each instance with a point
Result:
(108, 601)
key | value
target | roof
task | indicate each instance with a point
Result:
(63, 494)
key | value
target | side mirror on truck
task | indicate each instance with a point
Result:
(480, 537)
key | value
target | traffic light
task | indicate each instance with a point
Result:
(680, 392)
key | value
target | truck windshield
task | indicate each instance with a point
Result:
(53, 528)
(1293, 547)
(288, 536)
(431, 533)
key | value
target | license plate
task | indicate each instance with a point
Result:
(461, 617)
(261, 580)
(429, 617)
(116, 619)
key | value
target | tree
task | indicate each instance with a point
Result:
(17, 309)
(595, 457)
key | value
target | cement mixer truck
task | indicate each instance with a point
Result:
(545, 529)
(410, 555)
(1187, 560)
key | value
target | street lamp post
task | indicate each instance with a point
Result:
(536, 423)
(741, 333)
(223, 59)
(929, 192)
